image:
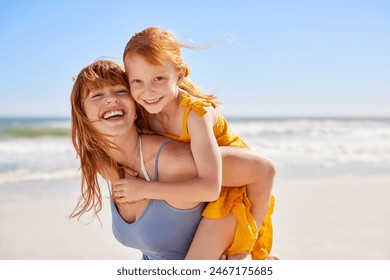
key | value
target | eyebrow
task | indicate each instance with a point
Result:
(156, 73)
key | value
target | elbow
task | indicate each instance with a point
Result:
(215, 194)
(214, 190)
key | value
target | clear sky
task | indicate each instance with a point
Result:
(274, 58)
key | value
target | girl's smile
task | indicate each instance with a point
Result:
(152, 86)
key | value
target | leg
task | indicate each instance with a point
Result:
(259, 191)
(212, 238)
(242, 167)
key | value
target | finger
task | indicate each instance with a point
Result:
(118, 187)
(120, 200)
(119, 193)
(120, 182)
(223, 257)
(131, 172)
(123, 200)
(128, 203)
(116, 196)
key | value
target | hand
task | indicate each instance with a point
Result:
(127, 190)
(239, 256)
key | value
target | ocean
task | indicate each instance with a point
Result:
(34, 149)
(39, 149)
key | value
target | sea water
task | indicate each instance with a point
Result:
(33, 149)
(300, 147)
(320, 147)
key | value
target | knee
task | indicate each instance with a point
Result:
(267, 167)
(271, 168)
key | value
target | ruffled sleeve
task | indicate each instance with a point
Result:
(196, 104)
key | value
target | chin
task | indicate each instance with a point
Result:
(153, 110)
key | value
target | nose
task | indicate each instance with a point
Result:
(149, 90)
(112, 99)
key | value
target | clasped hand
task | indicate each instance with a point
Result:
(129, 189)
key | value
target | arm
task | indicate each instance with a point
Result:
(240, 167)
(206, 153)
(205, 181)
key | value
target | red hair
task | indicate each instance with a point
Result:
(92, 146)
(155, 45)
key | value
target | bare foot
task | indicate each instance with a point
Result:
(272, 257)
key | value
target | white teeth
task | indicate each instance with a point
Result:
(111, 114)
(151, 101)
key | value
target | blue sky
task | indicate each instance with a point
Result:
(273, 58)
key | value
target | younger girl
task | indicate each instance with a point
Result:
(178, 109)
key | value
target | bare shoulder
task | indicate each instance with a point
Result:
(173, 149)
(176, 153)
(176, 162)
(176, 149)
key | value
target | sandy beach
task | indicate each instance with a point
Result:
(315, 219)
(341, 218)
(35, 225)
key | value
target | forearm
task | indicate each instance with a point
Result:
(192, 190)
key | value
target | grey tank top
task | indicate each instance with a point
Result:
(162, 232)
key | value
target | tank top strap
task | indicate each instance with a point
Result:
(157, 157)
(141, 156)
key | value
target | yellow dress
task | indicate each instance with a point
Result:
(247, 238)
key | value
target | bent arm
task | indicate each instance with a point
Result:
(192, 175)
(239, 167)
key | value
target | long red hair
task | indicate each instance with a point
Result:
(92, 146)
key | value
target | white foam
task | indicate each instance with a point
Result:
(296, 145)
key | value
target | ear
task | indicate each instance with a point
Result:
(180, 76)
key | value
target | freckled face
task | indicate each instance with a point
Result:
(110, 109)
(152, 86)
